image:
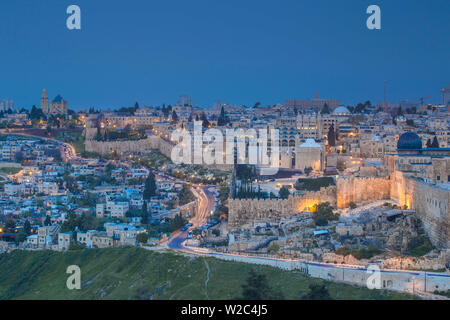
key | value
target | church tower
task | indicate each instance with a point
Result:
(44, 102)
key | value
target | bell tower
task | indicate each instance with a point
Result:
(44, 102)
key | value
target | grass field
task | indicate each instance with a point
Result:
(10, 170)
(135, 273)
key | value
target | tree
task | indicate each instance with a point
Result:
(331, 136)
(27, 227)
(245, 172)
(205, 122)
(223, 120)
(224, 192)
(325, 109)
(10, 223)
(317, 292)
(185, 196)
(142, 237)
(323, 213)
(308, 171)
(150, 187)
(435, 143)
(284, 192)
(257, 287)
(36, 114)
(47, 221)
(174, 117)
(429, 143)
(145, 213)
(19, 156)
(21, 237)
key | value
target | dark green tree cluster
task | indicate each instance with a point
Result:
(185, 195)
(331, 136)
(284, 192)
(317, 292)
(325, 109)
(205, 122)
(313, 184)
(362, 107)
(166, 111)
(434, 144)
(150, 187)
(247, 191)
(84, 222)
(257, 287)
(174, 117)
(37, 114)
(245, 172)
(177, 223)
(223, 119)
(323, 213)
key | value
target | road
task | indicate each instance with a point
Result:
(67, 150)
(206, 203)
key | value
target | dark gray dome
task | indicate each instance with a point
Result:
(409, 141)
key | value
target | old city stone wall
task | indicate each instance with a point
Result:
(361, 190)
(108, 147)
(152, 142)
(431, 203)
(242, 211)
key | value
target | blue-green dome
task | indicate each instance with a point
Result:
(409, 141)
(58, 99)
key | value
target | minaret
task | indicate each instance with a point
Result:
(44, 102)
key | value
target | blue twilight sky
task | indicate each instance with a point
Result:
(235, 51)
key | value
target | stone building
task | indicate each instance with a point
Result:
(310, 154)
(57, 107)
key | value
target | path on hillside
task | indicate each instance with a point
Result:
(207, 279)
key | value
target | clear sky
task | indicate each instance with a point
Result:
(235, 51)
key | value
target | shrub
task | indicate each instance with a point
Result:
(323, 213)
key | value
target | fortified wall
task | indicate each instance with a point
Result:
(107, 147)
(431, 203)
(361, 190)
(152, 142)
(242, 211)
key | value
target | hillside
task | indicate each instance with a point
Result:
(135, 273)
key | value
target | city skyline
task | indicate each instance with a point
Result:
(229, 52)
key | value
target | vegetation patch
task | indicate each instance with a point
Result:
(136, 273)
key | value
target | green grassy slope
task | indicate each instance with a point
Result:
(135, 273)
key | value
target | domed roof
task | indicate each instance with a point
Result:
(409, 141)
(341, 109)
(310, 143)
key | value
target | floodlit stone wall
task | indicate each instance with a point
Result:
(361, 190)
(242, 211)
(431, 203)
(108, 147)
